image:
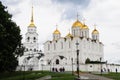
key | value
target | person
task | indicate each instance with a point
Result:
(116, 70)
(63, 69)
(108, 70)
(56, 70)
(53, 69)
(60, 69)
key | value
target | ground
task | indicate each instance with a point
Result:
(36, 75)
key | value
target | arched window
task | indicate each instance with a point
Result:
(57, 61)
(28, 39)
(34, 39)
(35, 50)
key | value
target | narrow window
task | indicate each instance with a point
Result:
(28, 39)
(57, 61)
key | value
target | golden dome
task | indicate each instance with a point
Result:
(77, 24)
(95, 31)
(69, 35)
(85, 27)
(32, 24)
(56, 31)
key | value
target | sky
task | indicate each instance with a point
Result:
(49, 13)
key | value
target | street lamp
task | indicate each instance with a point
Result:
(101, 65)
(50, 62)
(42, 65)
(23, 67)
(72, 65)
(77, 60)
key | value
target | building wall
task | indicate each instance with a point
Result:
(67, 48)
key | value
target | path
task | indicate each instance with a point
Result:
(48, 77)
(94, 77)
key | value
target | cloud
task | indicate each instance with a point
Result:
(82, 3)
(72, 7)
(13, 2)
(116, 45)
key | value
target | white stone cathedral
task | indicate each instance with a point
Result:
(61, 50)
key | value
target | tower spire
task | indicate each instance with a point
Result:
(32, 19)
(32, 15)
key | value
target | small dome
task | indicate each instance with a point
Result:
(77, 24)
(56, 31)
(69, 35)
(32, 24)
(95, 31)
(85, 27)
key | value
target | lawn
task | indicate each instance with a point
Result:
(21, 75)
(111, 75)
(32, 75)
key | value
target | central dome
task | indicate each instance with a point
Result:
(77, 24)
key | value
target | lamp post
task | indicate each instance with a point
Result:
(77, 60)
(50, 65)
(101, 65)
(72, 65)
(42, 65)
(23, 67)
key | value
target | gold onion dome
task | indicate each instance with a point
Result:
(95, 31)
(85, 27)
(69, 35)
(32, 24)
(56, 31)
(77, 24)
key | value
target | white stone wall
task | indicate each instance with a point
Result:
(86, 67)
(67, 48)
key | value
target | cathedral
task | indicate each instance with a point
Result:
(61, 50)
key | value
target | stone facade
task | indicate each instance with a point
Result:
(61, 50)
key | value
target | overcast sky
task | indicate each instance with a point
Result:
(47, 13)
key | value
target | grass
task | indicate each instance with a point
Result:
(32, 75)
(111, 75)
(62, 76)
(20, 75)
